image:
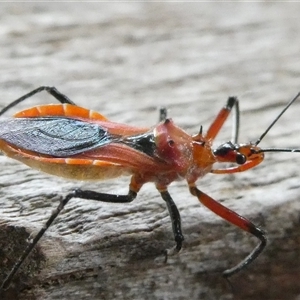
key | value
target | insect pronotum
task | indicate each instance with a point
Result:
(73, 142)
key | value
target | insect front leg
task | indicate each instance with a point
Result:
(222, 117)
(237, 220)
(241, 168)
(51, 90)
(176, 222)
(78, 193)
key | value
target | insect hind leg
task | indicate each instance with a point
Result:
(51, 90)
(78, 193)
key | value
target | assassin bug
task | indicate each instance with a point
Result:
(70, 141)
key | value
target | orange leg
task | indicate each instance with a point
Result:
(241, 168)
(237, 220)
(222, 117)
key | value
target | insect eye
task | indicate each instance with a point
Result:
(240, 159)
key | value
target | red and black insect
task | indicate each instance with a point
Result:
(73, 142)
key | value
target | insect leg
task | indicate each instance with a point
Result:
(51, 90)
(222, 117)
(176, 223)
(78, 193)
(162, 114)
(241, 168)
(236, 123)
(237, 220)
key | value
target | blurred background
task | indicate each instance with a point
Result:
(126, 60)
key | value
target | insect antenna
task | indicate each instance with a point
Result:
(273, 123)
(277, 150)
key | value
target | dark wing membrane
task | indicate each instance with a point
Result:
(56, 136)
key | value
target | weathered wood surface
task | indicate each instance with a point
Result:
(126, 60)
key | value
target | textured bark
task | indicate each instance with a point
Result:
(125, 61)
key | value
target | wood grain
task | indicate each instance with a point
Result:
(125, 60)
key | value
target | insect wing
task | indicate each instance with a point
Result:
(55, 136)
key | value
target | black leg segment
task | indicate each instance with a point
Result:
(175, 219)
(162, 114)
(51, 90)
(233, 101)
(78, 193)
